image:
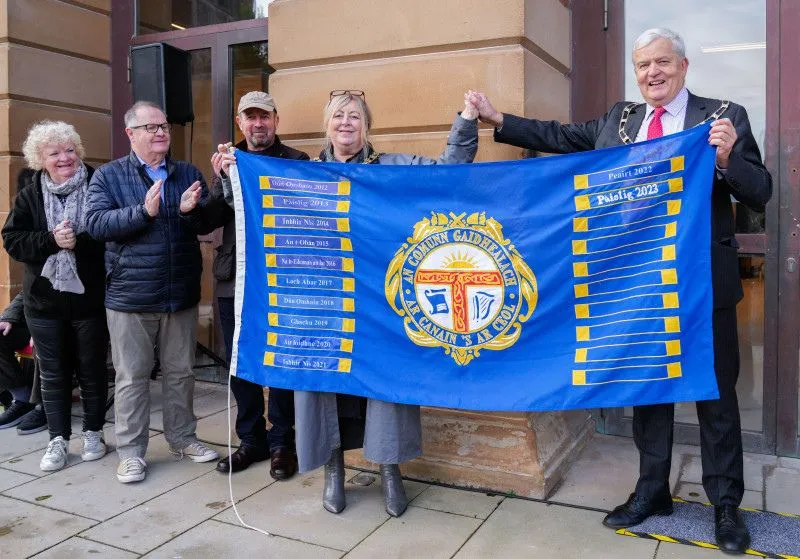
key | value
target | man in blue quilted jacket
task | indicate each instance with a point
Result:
(148, 208)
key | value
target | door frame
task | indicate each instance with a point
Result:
(784, 151)
(218, 38)
(781, 289)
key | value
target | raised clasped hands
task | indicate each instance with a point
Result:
(64, 235)
(222, 159)
(486, 112)
(470, 111)
(723, 136)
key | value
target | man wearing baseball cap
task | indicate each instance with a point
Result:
(257, 118)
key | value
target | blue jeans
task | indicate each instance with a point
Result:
(250, 425)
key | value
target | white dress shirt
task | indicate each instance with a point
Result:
(672, 120)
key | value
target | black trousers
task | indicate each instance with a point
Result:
(720, 428)
(12, 375)
(251, 428)
(64, 347)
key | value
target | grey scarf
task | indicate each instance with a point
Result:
(65, 201)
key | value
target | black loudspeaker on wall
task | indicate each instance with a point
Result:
(163, 74)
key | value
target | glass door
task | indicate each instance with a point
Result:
(727, 60)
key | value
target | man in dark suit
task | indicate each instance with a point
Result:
(660, 65)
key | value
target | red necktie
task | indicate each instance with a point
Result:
(655, 129)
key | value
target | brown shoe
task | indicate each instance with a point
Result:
(284, 463)
(241, 459)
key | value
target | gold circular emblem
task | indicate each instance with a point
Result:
(460, 285)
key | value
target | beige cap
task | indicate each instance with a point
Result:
(256, 100)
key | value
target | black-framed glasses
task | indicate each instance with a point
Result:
(166, 127)
(353, 92)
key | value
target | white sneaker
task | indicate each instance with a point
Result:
(55, 457)
(131, 469)
(94, 447)
(196, 452)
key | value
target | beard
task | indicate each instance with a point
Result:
(261, 140)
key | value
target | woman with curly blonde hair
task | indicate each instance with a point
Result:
(63, 285)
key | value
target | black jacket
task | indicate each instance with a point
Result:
(220, 214)
(15, 311)
(151, 264)
(27, 239)
(746, 179)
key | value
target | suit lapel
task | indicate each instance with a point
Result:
(696, 111)
(635, 120)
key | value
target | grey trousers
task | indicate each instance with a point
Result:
(133, 336)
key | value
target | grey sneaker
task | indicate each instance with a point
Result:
(94, 447)
(196, 452)
(55, 457)
(131, 469)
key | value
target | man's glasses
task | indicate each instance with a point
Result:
(166, 127)
(353, 92)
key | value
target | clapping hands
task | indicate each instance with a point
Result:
(190, 197)
(152, 200)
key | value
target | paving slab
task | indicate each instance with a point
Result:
(214, 429)
(668, 550)
(79, 547)
(10, 478)
(602, 476)
(695, 492)
(789, 463)
(294, 509)
(520, 528)
(605, 473)
(29, 463)
(175, 512)
(418, 533)
(783, 490)
(27, 528)
(218, 539)
(91, 489)
(209, 398)
(457, 501)
(753, 472)
(13, 446)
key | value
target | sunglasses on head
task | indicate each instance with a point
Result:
(353, 92)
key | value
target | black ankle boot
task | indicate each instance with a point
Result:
(333, 494)
(394, 494)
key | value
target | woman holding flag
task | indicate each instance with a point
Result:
(327, 424)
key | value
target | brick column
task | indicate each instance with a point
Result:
(53, 65)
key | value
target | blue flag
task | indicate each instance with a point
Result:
(575, 281)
